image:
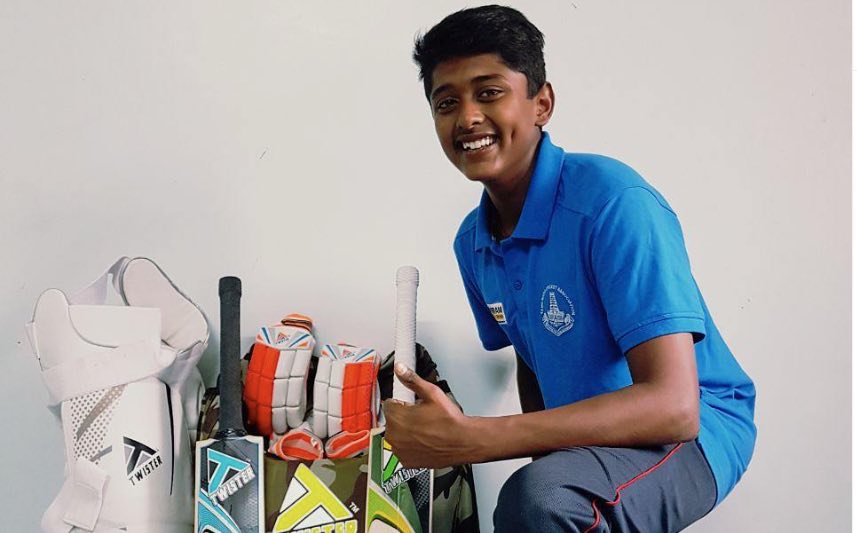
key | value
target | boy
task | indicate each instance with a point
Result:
(579, 264)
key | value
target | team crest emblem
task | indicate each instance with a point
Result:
(557, 312)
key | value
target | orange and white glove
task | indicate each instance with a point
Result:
(275, 387)
(346, 398)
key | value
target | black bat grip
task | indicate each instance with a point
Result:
(231, 422)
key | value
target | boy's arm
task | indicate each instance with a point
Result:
(661, 406)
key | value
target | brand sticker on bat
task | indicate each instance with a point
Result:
(219, 487)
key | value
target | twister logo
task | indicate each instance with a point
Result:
(219, 486)
(284, 337)
(226, 475)
(310, 507)
(394, 473)
(140, 460)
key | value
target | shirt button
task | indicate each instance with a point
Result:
(517, 284)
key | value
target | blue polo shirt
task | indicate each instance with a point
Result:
(597, 265)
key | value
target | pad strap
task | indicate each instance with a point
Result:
(107, 368)
(79, 501)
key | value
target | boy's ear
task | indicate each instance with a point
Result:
(544, 104)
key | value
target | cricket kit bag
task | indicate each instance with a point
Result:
(454, 505)
(123, 381)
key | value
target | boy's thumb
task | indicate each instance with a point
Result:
(423, 389)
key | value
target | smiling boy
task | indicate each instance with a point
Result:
(577, 262)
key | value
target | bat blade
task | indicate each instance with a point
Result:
(229, 482)
(229, 475)
(399, 498)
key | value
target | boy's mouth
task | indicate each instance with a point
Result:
(476, 144)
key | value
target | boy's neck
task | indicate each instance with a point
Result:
(508, 199)
(508, 205)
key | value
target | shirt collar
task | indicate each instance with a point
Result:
(538, 205)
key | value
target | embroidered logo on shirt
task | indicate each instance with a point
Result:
(557, 313)
(498, 312)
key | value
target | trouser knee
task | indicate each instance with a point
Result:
(534, 499)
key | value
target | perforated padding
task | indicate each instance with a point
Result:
(90, 416)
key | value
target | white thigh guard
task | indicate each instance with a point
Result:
(125, 381)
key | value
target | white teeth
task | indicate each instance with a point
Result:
(475, 145)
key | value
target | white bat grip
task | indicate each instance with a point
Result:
(407, 280)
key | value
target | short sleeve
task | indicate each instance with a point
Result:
(491, 334)
(642, 272)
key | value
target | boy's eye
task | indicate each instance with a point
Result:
(444, 104)
(489, 93)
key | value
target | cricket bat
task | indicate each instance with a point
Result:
(400, 499)
(229, 478)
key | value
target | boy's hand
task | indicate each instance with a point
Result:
(432, 433)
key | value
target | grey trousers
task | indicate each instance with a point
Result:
(598, 489)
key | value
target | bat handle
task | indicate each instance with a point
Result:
(407, 281)
(231, 422)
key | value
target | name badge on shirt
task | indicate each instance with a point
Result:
(497, 312)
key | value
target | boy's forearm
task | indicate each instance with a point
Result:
(638, 415)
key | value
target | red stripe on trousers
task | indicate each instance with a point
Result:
(627, 484)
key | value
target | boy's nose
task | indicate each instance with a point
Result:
(469, 115)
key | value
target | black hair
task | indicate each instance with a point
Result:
(490, 29)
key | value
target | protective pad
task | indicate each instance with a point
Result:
(144, 284)
(345, 393)
(118, 374)
(275, 387)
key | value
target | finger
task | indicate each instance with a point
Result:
(391, 406)
(424, 389)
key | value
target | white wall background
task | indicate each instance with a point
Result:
(289, 143)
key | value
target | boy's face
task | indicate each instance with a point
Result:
(487, 126)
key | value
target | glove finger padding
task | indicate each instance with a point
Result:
(275, 388)
(346, 398)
